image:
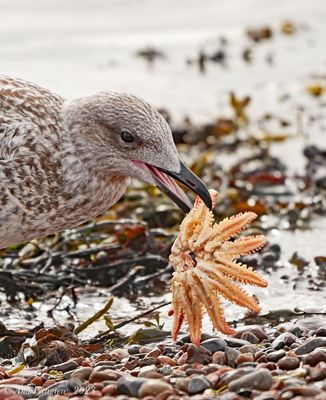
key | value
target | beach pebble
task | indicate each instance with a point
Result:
(145, 370)
(244, 358)
(288, 363)
(15, 380)
(257, 330)
(231, 356)
(99, 376)
(109, 390)
(120, 353)
(130, 385)
(250, 337)
(154, 388)
(234, 342)
(219, 358)
(276, 355)
(214, 344)
(321, 331)
(166, 360)
(197, 384)
(65, 366)
(311, 345)
(83, 372)
(316, 356)
(260, 379)
(284, 339)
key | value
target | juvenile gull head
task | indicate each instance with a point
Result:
(62, 163)
(129, 137)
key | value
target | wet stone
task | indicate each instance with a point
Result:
(321, 331)
(154, 388)
(244, 358)
(249, 348)
(82, 371)
(316, 356)
(197, 384)
(65, 366)
(58, 388)
(311, 345)
(231, 356)
(133, 349)
(250, 337)
(219, 358)
(276, 355)
(145, 370)
(234, 342)
(197, 354)
(214, 344)
(165, 370)
(129, 385)
(297, 331)
(285, 339)
(260, 379)
(98, 376)
(255, 329)
(23, 390)
(288, 363)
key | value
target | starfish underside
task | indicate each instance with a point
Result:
(204, 260)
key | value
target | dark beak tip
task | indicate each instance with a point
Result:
(192, 182)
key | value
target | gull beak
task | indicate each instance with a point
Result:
(192, 182)
(164, 181)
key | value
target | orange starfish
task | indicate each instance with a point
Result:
(203, 258)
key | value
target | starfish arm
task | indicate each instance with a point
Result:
(212, 304)
(239, 272)
(228, 228)
(193, 310)
(228, 289)
(178, 315)
(242, 246)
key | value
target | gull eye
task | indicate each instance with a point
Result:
(127, 137)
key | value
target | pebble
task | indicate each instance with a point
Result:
(234, 342)
(57, 387)
(154, 388)
(65, 366)
(321, 331)
(257, 330)
(219, 358)
(249, 348)
(109, 389)
(285, 339)
(316, 356)
(22, 391)
(288, 363)
(214, 344)
(197, 384)
(166, 360)
(145, 370)
(15, 380)
(311, 345)
(120, 353)
(154, 353)
(244, 358)
(197, 354)
(83, 372)
(250, 337)
(231, 356)
(130, 385)
(97, 376)
(276, 355)
(260, 379)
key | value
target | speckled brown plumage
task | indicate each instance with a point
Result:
(63, 162)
